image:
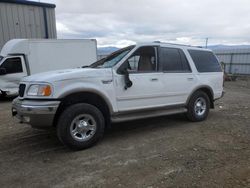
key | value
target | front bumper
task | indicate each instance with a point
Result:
(37, 113)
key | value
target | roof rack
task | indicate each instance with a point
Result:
(171, 43)
(177, 44)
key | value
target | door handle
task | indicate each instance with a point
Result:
(106, 81)
(190, 79)
(154, 79)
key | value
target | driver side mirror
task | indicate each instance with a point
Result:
(3, 71)
(128, 82)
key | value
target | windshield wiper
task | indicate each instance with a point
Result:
(85, 66)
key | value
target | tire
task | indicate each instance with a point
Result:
(198, 106)
(80, 126)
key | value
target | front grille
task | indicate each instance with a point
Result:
(21, 89)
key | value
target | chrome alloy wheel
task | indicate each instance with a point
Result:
(200, 106)
(83, 127)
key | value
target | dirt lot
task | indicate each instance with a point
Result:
(158, 152)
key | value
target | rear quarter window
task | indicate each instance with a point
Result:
(205, 61)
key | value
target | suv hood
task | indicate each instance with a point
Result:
(67, 74)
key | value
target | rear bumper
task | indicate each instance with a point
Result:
(219, 95)
(38, 114)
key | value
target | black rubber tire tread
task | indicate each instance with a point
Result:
(190, 107)
(67, 116)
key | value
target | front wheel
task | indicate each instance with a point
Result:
(80, 126)
(198, 106)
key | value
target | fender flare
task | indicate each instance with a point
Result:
(90, 90)
(201, 87)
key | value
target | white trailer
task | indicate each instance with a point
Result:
(24, 57)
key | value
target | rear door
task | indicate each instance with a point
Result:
(15, 71)
(178, 79)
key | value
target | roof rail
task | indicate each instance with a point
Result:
(177, 44)
(171, 43)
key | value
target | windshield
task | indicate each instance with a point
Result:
(112, 59)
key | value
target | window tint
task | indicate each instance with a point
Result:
(185, 63)
(173, 60)
(12, 65)
(205, 61)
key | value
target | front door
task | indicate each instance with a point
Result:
(146, 89)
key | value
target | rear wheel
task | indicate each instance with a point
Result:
(198, 106)
(80, 126)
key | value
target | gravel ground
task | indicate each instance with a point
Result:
(158, 152)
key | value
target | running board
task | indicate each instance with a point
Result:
(148, 114)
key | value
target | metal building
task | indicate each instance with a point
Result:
(236, 60)
(26, 19)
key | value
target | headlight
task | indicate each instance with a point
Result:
(39, 90)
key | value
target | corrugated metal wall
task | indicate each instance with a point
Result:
(25, 21)
(237, 61)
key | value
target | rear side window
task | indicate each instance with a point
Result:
(12, 65)
(205, 61)
(173, 60)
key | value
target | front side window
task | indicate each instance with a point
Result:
(205, 61)
(142, 60)
(12, 65)
(173, 60)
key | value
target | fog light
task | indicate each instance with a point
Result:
(26, 119)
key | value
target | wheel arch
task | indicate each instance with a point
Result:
(87, 96)
(208, 90)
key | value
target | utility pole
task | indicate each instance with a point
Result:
(206, 41)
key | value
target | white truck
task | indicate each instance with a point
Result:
(140, 81)
(24, 57)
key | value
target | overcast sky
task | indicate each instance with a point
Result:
(122, 22)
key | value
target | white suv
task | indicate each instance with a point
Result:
(140, 81)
